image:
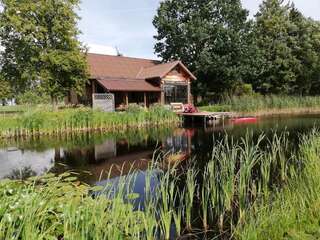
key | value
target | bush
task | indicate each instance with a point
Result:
(134, 108)
(33, 97)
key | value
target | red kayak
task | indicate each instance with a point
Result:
(245, 120)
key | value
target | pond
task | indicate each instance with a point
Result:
(91, 156)
(100, 159)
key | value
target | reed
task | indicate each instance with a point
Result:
(189, 191)
(291, 212)
(40, 122)
(270, 104)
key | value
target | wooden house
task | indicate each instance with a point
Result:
(140, 81)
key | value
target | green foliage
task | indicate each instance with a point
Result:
(272, 38)
(277, 52)
(211, 37)
(54, 207)
(305, 42)
(5, 89)
(33, 97)
(41, 46)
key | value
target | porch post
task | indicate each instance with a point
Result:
(145, 99)
(127, 99)
(93, 88)
(189, 93)
(162, 100)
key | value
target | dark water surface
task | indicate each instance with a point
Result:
(93, 155)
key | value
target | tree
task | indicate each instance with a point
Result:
(41, 46)
(305, 44)
(279, 63)
(212, 37)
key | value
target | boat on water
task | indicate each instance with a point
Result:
(244, 120)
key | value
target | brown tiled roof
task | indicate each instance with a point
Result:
(134, 85)
(126, 67)
(161, 70)
(118, 67)
(157, 71)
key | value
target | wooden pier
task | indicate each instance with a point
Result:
(206, 117)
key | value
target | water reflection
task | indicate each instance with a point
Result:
(93, 155)
(18, 163)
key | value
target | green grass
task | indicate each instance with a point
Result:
(18, 109)
(46, 122)
(264, 103)
(248, 189)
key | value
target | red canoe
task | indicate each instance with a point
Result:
(245, 120)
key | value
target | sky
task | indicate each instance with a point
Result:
(126, 25)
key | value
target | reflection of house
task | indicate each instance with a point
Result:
(134, 80)
(105, 150)
(180, 141)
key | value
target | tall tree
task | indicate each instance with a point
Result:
(279, 63)
(41, 46)
(305, 44)
(212, 37)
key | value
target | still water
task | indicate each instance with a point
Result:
(91, 156)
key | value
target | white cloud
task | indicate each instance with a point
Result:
(101, 49)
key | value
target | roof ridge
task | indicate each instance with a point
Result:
(124, 79)
(161, 64)
(137, 58)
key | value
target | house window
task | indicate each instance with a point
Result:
(175, 93)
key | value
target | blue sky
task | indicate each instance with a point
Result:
(127, 24)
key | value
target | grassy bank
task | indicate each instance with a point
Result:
(46, 122)
(267, 105)
(226, 198)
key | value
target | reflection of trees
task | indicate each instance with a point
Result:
(21, 174)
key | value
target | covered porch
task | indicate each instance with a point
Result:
(144, 99)
(126, 92)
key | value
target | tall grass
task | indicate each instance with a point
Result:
(292, 212)
(230, 196)
(42, 122)
(265, 103)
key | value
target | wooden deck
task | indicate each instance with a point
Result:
(207, 116)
